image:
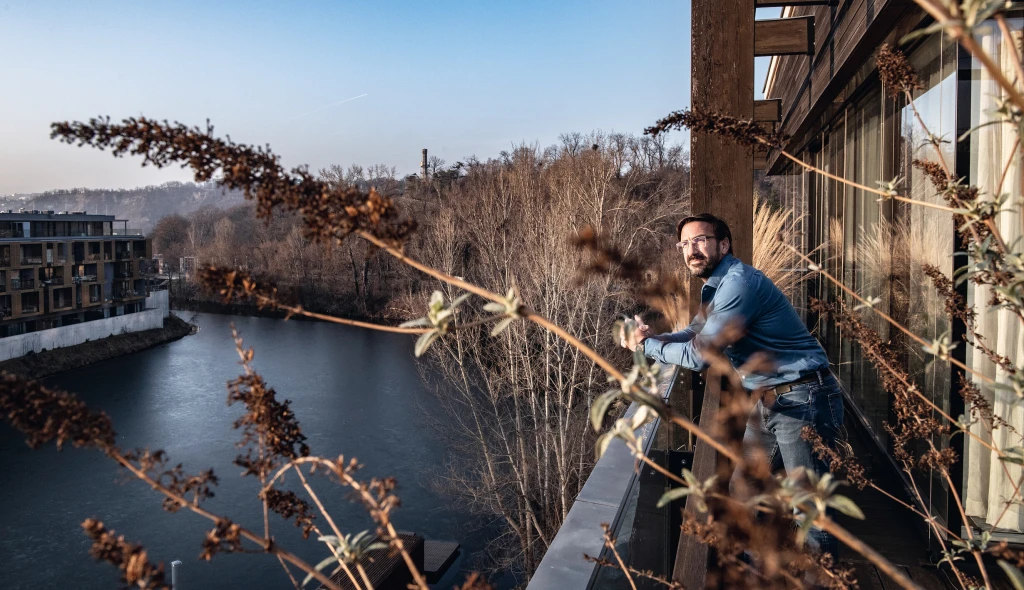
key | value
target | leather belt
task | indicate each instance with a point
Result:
(767, 396)
(787, 387)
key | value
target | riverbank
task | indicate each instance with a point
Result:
(220, 308)
(43, 364)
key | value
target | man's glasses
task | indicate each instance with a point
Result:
(696, 241)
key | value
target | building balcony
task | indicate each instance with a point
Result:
(79, 279)
(31, 259)
(22, 284)
(127, 274)
(55, 281)
(6, 312)
(94, 298)
(29, 309)
(63, 305)
(5, 261)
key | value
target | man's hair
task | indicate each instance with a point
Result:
(718, 225)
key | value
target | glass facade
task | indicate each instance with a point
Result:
(878, 247)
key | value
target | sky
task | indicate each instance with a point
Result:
(333, 82)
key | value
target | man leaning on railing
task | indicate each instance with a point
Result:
(800, 391)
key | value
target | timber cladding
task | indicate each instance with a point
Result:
(846, 36)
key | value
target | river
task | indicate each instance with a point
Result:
(355, 392)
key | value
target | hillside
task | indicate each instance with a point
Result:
(142, 206)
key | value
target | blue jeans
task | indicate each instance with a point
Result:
(776, 430)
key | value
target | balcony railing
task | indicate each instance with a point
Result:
(22, 284)
(56, 280)
(63, 304)
(5, 261)
(125, 274)
(93, 256)
(612, 488)
(30, 308)
(83, 279)
(94, 298)
(31, 259)
(6, 312)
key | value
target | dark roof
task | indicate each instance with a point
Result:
(35, 215)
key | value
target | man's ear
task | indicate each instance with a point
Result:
(723, 246)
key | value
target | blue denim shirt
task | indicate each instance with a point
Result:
(740, 293)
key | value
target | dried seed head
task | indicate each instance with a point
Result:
(742, 131)
(225, 537)
(897, 75)
(45, 414)
(329, 211)
(131, 559)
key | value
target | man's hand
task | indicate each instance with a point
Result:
(631, 339)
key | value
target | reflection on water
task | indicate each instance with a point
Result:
(355, 393)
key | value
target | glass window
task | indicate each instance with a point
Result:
(879, 248)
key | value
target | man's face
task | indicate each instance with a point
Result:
(701, 259)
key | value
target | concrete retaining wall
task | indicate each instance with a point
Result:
(159, 300)
(16, 346)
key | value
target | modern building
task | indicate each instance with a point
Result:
(61, 268)
(823, 91)
(842, 120)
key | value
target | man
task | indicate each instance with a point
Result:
(798, 391)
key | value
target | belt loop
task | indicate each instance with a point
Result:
(821, 380)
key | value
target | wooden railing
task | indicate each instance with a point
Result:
(691, 563)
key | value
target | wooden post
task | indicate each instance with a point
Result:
(423, 164)
(721, 183)
(722, 80)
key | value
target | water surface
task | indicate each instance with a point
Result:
(355, 392)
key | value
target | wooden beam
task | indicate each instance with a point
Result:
(784, 36)
(784, 3)
(768, 110)
(760, 158)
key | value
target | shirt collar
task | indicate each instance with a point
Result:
(720, 271)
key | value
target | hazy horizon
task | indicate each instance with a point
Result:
(361, 83)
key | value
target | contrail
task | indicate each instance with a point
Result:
(326, 107)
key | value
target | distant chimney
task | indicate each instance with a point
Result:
(423, 164)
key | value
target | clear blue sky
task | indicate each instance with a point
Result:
(460, 78)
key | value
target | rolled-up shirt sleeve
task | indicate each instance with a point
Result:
(732, 305)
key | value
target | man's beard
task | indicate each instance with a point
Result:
(711, 262)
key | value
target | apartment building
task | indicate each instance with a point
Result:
(59, 269)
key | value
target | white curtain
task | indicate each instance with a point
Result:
(988, 486)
